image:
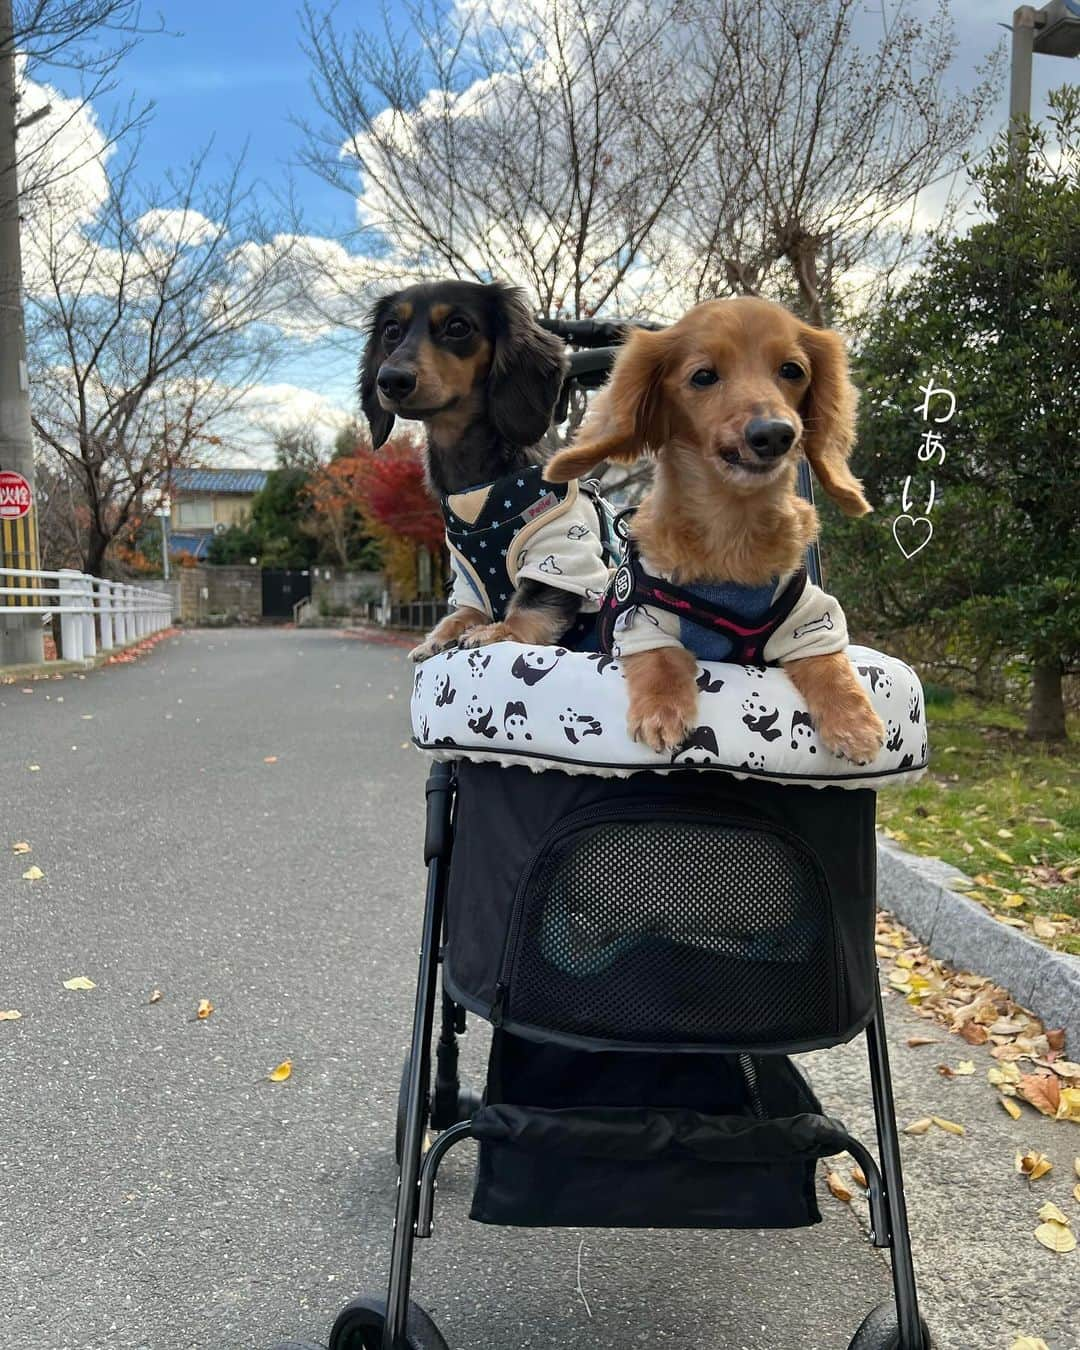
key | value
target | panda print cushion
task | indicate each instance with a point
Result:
(555, 709)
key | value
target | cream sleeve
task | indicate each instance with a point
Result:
(815, 627)
(567, 553)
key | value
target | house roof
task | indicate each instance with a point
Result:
(245, 481)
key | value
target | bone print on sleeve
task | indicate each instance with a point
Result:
(815, 627)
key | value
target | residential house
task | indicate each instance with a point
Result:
(206, 502)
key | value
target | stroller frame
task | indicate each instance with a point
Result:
(401, 1329)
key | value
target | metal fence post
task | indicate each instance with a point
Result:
(71, 631)
(87, 601)
(104, 590)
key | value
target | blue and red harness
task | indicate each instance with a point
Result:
(724, 622)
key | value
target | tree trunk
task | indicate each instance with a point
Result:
(1046, 711)
(96, 546)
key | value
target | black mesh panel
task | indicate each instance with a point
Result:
(673, 932)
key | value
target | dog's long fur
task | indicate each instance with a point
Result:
(487, 378)
(716, 510)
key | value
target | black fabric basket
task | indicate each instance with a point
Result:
(646, 1140)
(676, 912)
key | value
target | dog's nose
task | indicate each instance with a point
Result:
(769, 437)
(396, 382)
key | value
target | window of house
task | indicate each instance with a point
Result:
(197, 511)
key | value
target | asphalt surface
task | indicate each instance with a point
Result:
(159, 1193)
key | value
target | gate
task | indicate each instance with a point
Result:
(282, 587)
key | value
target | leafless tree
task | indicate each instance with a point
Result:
(148, 325)
(91, 38)
(831, 131)
(540, 142)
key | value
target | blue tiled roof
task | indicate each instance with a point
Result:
(195, 544)
(218, 480)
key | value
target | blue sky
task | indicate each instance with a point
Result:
(234, 73)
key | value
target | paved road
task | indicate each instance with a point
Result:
(158, 1193)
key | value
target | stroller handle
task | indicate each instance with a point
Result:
(595, 332)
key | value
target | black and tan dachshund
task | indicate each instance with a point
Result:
(472, 364)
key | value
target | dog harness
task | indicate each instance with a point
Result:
(717, 622)
(521, 526)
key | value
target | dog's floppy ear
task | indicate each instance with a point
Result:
(628, 415)
(527, 370)
(380, 421)
(829, 419)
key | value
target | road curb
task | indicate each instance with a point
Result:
(957, 930)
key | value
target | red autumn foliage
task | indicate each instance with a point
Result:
(387, 486)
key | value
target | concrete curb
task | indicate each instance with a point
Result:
(959, 931)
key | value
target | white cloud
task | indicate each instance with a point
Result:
(174, 226)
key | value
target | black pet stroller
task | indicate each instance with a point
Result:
(650, 950)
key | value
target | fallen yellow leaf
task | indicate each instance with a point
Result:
(1005, 834)
(79, 982)
(13, 1015)
(1069, 1106)
(33, 874)
(1010, 1106)
(859, 1177)
(835, 1183)
(1002, 856)
(965, 1068)
(1076, 1192)
(1050, 1213)
(283, 1071)
(1014, 901)
(918, 1126)
(204, 1009)
(34, 768)
(1043, 927)
(949, 1126)
(1029, 1343)
(1033, 1165)
(155, 996)
(270, 759)
(21, 847)
(1055, 1237)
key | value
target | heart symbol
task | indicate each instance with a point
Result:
(914, 521)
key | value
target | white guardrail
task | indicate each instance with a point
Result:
(95, 615)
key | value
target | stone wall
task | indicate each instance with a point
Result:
(220, 594)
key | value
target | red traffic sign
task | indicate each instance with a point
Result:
(16, 496)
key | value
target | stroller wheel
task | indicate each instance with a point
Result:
(402, 1104)
(881, 1331)
(359, 1326)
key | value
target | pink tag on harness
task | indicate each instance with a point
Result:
(538, 508)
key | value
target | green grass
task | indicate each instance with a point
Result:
(1006, 811)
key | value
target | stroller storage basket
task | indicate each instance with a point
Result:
(662, 911)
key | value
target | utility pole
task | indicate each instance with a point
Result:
(20, 635)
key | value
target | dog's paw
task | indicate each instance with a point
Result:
(426, 649)
(661, 724)
(485, 634)
(857, 736)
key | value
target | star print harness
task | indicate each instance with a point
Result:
(752, 625)
(519, 526)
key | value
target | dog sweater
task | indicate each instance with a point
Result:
(786, 618)
(519, 526)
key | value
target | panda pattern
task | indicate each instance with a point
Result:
(802, 731)
(478, 718)
(914, 708)
(879, 679)
(479, 660)
(761, 720)
(515, 721)
(706, 684)
(576, 726)
(445, 693)
(533, 665)
(895, 736)
(700, 747)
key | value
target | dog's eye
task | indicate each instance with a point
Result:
(391, 332)
(702, 378)
(458, 327)
(791, 370)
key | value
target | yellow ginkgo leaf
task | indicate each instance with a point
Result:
(79, 982)
(918, 1126)
(835, 1183)
(1051, 1214)
(1011, 1106)
(13, 1015)
(1004, 1075)
(1069, 1105)
(1014, 901)
(1033, 1165)
(20, 847)
(283, 1071)
(33, 874)
(1055, 1237)
(965, 1068)
(949, 1126)
(1029, 1343)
